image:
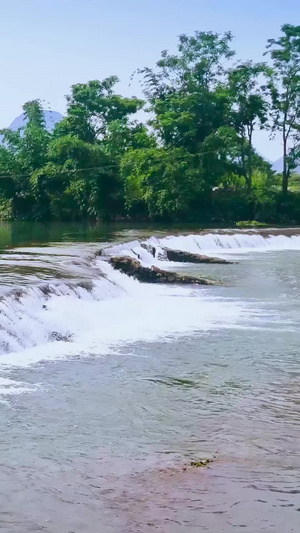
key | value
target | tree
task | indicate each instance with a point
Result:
(92, 107)
(284, 89)
(154, 178)
(174, 183)
(78, 181)
(124, 135)
(249, 109)
(187, 92)
(191, 161)
(24, 151)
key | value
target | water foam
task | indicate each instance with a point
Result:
(59, 319)
(236, 243)
(94, 325)
(211, 244)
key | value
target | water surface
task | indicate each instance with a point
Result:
(110, 388)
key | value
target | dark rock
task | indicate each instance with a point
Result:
(186, 257)
(135, 253)
(133, 268)
(57, 336)
(151, 249)
(201, 463)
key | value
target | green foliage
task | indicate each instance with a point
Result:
(83, 174)
(6, 211)
(295, 182)
(167, 182)
(92, 107)
(74, 172)
(250, 224)
(187, 93)
(249, 109)
(283, 86)
(24, 152)
(192, 160)
(123, 136)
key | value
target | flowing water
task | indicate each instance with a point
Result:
(109, 388)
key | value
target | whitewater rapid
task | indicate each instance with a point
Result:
(102, 309)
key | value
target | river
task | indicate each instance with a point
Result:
(109, 388)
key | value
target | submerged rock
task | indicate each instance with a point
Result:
(186, 257)
(153, 274)
(201, 463)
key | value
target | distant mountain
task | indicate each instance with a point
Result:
(277, 166)
(51, 118)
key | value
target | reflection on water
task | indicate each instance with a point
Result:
(37, 233)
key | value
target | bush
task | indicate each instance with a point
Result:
(6, 211)
(250, 224)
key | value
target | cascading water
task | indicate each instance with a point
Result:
(207, 244)
(86, 307)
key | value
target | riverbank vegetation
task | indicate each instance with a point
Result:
(191, 156)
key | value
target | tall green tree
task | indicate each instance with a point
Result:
(165, 182)
(78, 181)
(187, 92)
(284, 89)
(250, 109)
(24, 151)
(174, 183)
(92, 107)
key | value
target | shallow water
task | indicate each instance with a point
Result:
(109, 388)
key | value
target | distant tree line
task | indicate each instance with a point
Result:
(193, 158)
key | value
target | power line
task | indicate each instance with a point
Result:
(63, 171)
(110, 165)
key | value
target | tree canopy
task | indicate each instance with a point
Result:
(191, 158)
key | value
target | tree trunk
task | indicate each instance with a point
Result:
(250, 170)
(243, 156)
(285, 176)
(249, 181)
(244, 166)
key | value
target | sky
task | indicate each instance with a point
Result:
(48, 45)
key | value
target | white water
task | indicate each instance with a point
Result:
(207, 244)
(116, 311)
(65, 320)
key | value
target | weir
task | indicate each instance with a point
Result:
(208, 244)
(43, 313)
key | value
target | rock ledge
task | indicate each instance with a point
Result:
(133, 268)
(186, 257)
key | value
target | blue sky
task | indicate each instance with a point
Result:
(48, 45)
